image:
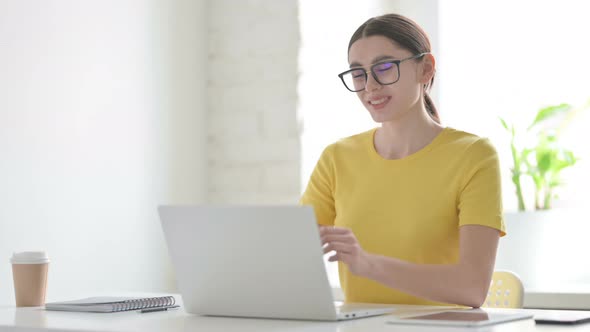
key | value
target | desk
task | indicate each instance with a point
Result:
(37, 319)
(562, 296)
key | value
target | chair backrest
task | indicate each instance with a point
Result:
(506, 291)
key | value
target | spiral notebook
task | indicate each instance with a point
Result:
(112, 304)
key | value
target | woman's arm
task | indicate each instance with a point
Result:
(465, 283)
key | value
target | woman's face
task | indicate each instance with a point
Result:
(386, 102)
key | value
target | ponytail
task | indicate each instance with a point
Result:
(430, 108)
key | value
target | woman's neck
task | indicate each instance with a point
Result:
(403, 137)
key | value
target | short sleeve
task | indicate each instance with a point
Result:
(480, 197)
(319, 192)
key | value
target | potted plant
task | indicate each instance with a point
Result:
(544, 158)
(538, 155)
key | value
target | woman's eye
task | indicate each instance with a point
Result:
(383, 67)
(358, 74)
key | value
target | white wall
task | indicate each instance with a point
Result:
(252, 128)
(101, 109)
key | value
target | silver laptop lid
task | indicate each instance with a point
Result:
(249, 261)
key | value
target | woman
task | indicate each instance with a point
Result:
(412, 209)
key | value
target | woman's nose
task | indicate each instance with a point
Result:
(372, 83)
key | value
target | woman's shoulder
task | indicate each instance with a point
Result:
(466, 141)
(468, 144)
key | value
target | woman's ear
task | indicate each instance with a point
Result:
(428, 68)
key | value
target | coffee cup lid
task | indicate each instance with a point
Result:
(29, 257)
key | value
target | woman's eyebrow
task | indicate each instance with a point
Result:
(375, 60)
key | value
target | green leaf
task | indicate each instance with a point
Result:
(563, 158)
(526, 152)
(569, 156)
(524, 158)
(537, 179)
(548, 112)
(504, 124)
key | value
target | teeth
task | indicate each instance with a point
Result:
(377, 102)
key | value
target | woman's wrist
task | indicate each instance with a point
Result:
(371, 266)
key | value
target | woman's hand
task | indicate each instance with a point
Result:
(347, 248)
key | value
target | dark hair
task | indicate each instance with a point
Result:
(407, 34)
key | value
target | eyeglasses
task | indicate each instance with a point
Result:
(384, 72)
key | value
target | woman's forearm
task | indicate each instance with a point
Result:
(461, 283)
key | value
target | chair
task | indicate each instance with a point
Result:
(506, 291)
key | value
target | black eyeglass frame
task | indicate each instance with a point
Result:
(366, 73)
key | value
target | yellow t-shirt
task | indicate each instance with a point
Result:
(409, 208)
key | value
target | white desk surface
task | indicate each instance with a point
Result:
(38, 319)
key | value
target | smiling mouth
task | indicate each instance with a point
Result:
(378, 101)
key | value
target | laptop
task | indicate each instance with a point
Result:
(253, 261)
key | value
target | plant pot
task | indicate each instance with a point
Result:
(547, 249)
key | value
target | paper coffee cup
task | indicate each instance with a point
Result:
(29, 272)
